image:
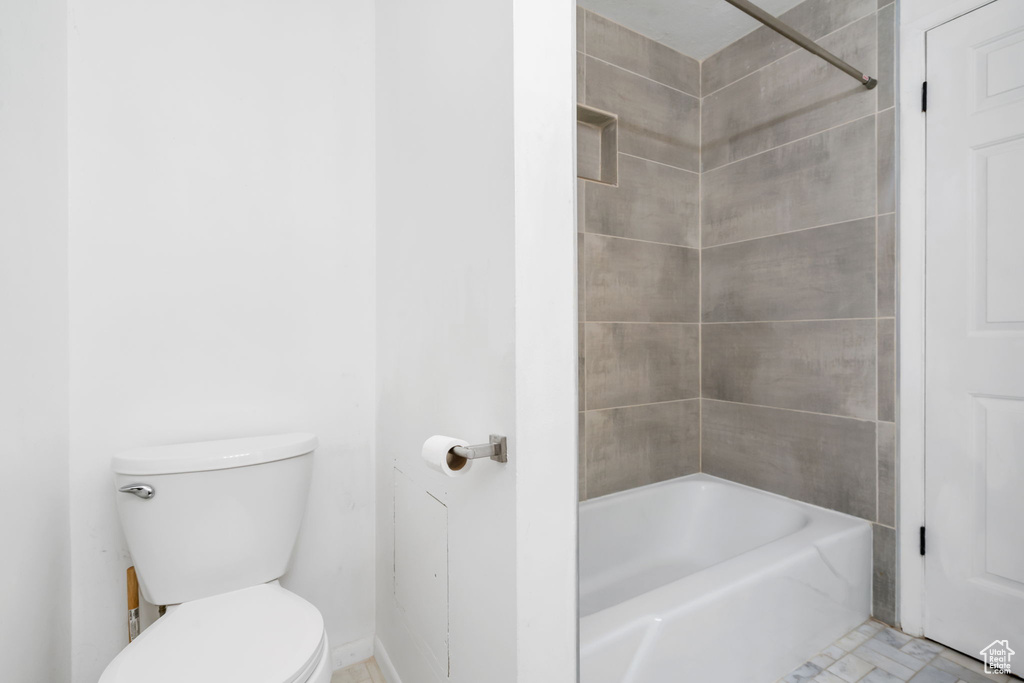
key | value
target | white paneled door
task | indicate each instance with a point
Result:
(974, 565)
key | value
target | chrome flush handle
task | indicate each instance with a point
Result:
(141, 490)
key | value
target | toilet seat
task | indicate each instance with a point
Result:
(262, 634)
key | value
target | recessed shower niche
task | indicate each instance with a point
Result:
(597, 148)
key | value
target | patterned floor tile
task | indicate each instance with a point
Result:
(851, 668)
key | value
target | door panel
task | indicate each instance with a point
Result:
(974, 569)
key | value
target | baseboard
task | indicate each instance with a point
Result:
(384, 662)
(351, 653)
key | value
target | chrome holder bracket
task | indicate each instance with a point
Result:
(496, 449)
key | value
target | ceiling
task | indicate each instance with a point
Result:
(698, 28)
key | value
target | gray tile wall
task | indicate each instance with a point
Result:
(738, 285)
(799, 272)
(639, 261)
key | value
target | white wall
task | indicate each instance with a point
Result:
(476, 332)
(446, 318)
(221, 271)
(544, 78)
(34, 571)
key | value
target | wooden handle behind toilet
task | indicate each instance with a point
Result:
(133, 605)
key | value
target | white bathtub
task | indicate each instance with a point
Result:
(699, 579)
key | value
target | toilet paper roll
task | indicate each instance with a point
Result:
(435, 453)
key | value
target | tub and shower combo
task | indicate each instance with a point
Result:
(699, 579)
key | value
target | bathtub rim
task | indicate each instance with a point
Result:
(825, 525)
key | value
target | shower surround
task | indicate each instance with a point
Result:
(738, 285)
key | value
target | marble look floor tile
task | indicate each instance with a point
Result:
(893, 637)
(852, 640)
(867, 655)
(884, 663)
(930, 674)
(851, 668)
(883, 648)
(963, 660)
(870, 627)
(826, 677)
(834, 651)
(922, 649)
(879, 676)
(958, 671)
(805, 672)
(823, 660)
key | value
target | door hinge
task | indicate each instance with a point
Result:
(922, 540)
(924, 98)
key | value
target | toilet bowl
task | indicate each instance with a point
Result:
(211, 527)
(262, 634)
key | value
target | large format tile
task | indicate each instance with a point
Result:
(581, 22)
(886, 265)
(886, 69)
(813, 18)
(581, 204)
(655, 121)
(617, 44)
(887, 161)
(581, 466)
(887, 473)
(631, 363)
(580, 75)
(581, 269)
(630, 447)
(824, 179)
(883, 591)
(887, 369)
(823, 366)
(796, 96)
(652, 202)
(582, 368)
(630, 281)
(819, 273)
(823, 460)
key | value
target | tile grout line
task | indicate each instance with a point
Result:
(772, 322)
(878, 506)
(700, 272)
(644, 36)
(653, 161)
(635, 322)
(795, 50)
(790, 232)
(726, 322)
(640, 75)
(790, 142)
(791, 410)
(581, 315)
(643, 405)
(634, 239)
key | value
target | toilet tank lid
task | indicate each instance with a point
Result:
(203, 456)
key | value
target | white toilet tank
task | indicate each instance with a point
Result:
(215, 516)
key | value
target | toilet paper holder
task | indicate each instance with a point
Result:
(496, 449)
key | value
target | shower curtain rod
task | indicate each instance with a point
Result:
(802, 40)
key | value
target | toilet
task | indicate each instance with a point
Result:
(211, 527)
